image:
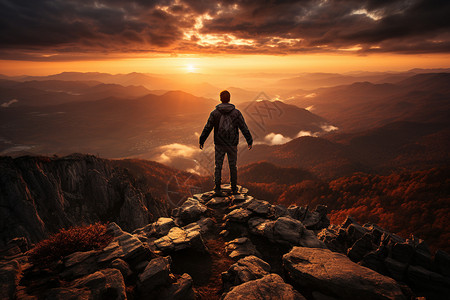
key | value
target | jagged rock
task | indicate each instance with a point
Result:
(317, 219)
(436, 285)
(259, 207)
(157, 229)
(402, 252)
(296, 212)
(240, 215)
(334, 238)
(203, 225)
(355, 232)
(270, 286)
(376, 232)
(205, 197)
(442, 262)
(178, 239)
(218, 201)
(244, 270)
(190, 211)
(279, 211)
(104, 284)
(334, 274)
(156, 273)
(360, 248)
(79, 264)
(348, 220)
(122, 266)
(125, 246)
(240, 247)
(9, 279)
(179, 290)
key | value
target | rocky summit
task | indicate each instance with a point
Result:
(235, 247)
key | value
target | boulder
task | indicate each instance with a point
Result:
(285, 231)
(270, 287)
(156, 273)
(79, 264)
(259, 207)
(104, 284)
(240, 215)
(244, 270)
(240, 247)
(179, 290)
(178, 239)
(190, 211)
(122, 266)
(9, 279)
(288, 230)
(336, 275)
(127, 247)
(203, 225)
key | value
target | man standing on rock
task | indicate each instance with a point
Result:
(226, 120)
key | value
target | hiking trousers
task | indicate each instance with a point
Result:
(220, 151)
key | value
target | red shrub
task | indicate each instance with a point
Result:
(68, 241)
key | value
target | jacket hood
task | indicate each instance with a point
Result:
(225, 108)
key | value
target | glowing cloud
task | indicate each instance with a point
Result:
(175, 150)
(276, 139)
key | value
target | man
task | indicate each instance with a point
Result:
(226, 120)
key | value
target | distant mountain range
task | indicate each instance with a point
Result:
(365, 105)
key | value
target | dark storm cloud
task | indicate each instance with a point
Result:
(30, 27)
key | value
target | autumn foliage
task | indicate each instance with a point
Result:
(68, 241)
(409, 202)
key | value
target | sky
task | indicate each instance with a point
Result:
(167, 36)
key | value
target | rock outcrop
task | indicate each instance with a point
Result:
(234, 247)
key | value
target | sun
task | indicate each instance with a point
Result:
(191, 68)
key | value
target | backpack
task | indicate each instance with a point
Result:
(226, 128)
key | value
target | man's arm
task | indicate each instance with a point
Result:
(206, 130)
(244, 129)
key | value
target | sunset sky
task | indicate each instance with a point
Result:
(207, 36)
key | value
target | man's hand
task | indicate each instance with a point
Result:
(201, 146)
(250, 147)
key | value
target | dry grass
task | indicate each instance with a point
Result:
(68, 241)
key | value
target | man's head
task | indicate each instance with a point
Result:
(225, 96)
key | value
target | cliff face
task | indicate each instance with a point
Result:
(40, 195)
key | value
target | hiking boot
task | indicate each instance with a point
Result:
(218, 191)
(234, 190)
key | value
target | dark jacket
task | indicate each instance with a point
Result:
(237, 121)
